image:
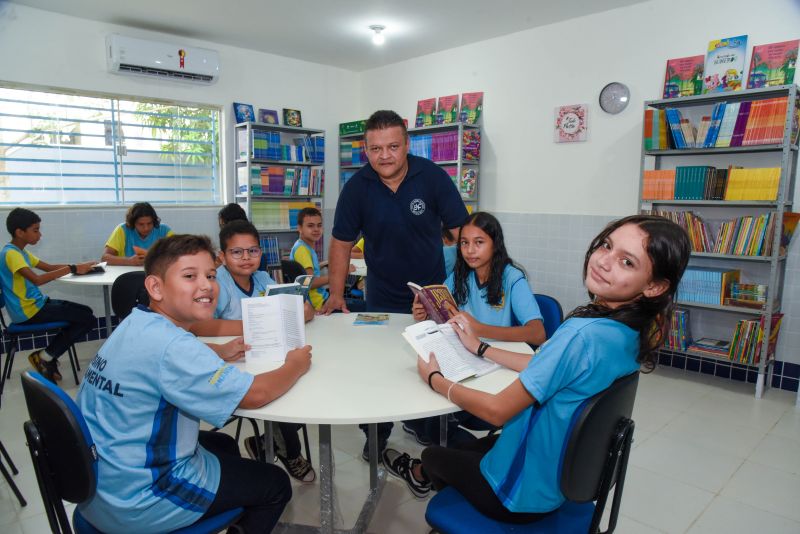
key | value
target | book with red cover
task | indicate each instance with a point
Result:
(447, 109)
(471, 107)
(684, 76)
(773, 64)
(437, 301)
(426, 109)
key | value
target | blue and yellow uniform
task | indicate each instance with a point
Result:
(229, 302)
(143, 397)
(123, 239)
(23, 298)
(307, 257)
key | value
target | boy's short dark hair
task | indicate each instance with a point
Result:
(232, 212)
(167, 250)
(138, 210)
(20, 219)
(307, 212)
(385, 118)
(235, 228)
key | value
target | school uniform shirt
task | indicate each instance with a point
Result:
(143, 397)
(307, 257)
(23, 297)
(123, 239)
(517, 305)
(403, 228)
(584, 357)
(229, 302)
(450, 255)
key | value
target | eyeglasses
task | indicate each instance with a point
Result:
(238, 253)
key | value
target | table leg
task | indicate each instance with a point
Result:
(325, 480)
(269, 442)
(443, 430)
(107, 304)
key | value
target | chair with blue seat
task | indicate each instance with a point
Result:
(12, 332)
(594, 459)
(552, 314)
(65, 459)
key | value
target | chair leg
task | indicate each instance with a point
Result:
(7, 367)
(7, 476)
(73, 362)
(238, 429)
(260, 455)
(305, 442)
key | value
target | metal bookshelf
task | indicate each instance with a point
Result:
(771, 268)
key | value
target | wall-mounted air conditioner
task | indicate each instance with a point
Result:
(142, 57)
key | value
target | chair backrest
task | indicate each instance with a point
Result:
(593, 430)
(552, 314)
(127, 292)
(291, 270)
(68, 458)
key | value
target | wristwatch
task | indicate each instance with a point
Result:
(483, 347)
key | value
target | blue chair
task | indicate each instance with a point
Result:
(11, 333)
(65, 459)
(552, 314)
(593, 459)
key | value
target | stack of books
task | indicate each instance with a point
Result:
(706, 285)
(715, 348)
(748, 338)
(747, 295)
(678, 337)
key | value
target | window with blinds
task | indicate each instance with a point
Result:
(68, 149)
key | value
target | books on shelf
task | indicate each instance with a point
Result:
(773, 64)
(426, 110)
(269, 145)
(345, 175)
(716, 348)
(281, 181)
(443, 146)
(278, 215)
(466, 182)
(655, 130)
(684, 76)
(455, 361)
(352, 152)
(747, 295)
(704, 182)
(471, 107)
(678, 337)
(447, 109)
(724, 67)
(471, 144)
(706, 285)
(748, 338)
(270, 248)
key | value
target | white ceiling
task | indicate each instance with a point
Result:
(333, 32)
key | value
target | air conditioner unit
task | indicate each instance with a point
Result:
(142, 57)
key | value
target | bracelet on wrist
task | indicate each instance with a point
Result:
(482, 348)
(450, 389)
(430, 378)
(73, 268)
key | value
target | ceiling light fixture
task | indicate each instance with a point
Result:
(378, 39)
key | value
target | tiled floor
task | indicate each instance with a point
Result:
(707, 458)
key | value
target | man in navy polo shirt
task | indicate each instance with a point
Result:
(400, 204)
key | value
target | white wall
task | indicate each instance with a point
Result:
(47, 49)
(525, 75)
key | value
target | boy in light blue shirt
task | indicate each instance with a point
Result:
(145, 393)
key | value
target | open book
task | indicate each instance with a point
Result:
(436, 299)
(273, 326)
(300, 287)
(456, 362)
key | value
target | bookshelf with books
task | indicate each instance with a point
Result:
(722, 165)
(279, 171)
(456, 147)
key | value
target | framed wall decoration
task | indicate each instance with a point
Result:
(244, 112)
(268, 116)
(292, 117)
(570, 123)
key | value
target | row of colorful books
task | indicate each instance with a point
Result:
(446, 111)
(466, 182)
(269, 145)
(749, 336)
(274, 180)
(656, 136)
(352, 152)
(270, 249)
(345, 175)
(278, 215)
(444, 146)
(678, 337)
(703, 182)
(747, 295)
(706, 285)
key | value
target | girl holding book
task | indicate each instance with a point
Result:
(492, 293)
(631, 271)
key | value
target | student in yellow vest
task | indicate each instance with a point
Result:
(129, 241)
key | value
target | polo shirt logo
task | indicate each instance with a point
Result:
(417, 206)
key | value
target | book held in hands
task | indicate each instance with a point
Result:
(273, 326)
(455, 361)
(437, 301)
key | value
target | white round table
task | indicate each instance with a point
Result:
(360, 374)
(106, 280)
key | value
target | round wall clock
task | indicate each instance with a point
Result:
(614, 97)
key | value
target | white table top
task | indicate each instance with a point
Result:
(363, 374)
(100, 279)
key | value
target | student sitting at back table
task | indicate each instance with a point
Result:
(358, 250)
(631, 271)
(491, 292)
(129, 241)
(26, 304)
(145, 393)
(240, 278)
(309, 226)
